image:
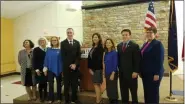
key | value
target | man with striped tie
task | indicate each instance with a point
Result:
(128, 64)
(70, 52)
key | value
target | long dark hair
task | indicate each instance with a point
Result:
(113, 45)
(100, 40)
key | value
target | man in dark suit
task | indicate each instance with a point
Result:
(70, 50)
(128, 64)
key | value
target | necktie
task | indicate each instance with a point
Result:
(124, 47)
(71, 43)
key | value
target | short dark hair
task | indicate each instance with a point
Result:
(99, 37)
(58, 43)
(70, 29)
(31, 43)
(113, 45)
(153, 29)
(126, 30)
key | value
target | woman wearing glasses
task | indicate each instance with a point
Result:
(151, 69)
(53, 68)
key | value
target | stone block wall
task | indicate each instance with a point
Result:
(110, 21)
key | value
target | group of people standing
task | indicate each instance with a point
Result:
(127, 63)
(42, 64)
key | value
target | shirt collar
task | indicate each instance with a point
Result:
(126, 42)
(70, 40)
(55, 48)
(42, 48)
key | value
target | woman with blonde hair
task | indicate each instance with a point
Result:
(53, 68)
(38, 61)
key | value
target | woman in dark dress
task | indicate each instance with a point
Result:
(27, 72)
(38, 62)
(110, 67)
(95, 59)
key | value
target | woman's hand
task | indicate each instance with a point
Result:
(38, 73)
(134, 75)
(112, 76)
(156, 77)
(91, 72)
(45, 73)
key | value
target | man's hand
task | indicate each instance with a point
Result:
(156, 77)
(73, 66)
(134, 75)
(112, 76)
(91, 72)
(38, 73)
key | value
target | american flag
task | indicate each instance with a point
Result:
(150, 20)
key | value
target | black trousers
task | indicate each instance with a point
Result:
(43, 87)
(71, 80)
(125, 86)
(151, 89)
(51, 76)
(42, 81)
(112, 88)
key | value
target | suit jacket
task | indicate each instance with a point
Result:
(129, 60)
(95, 63)
(70, 54)
(38, 58)
(152, 59)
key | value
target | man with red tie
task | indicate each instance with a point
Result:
(128, 64)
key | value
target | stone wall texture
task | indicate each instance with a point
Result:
(110, 21)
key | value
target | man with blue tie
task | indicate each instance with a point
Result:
(128, 64)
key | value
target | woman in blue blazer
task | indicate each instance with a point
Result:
(151, 69)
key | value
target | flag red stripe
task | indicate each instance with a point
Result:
(149, 23)
(151, 17)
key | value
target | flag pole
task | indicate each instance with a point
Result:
(170, 97)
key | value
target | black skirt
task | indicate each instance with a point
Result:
(28, 77)
(41, 79)
(97, 77)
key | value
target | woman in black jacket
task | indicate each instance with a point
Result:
(95, 66)
(38, 62)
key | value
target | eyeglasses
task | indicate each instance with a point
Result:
(148, 32)
(53, 40)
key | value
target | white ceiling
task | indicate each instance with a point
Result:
(13, 9)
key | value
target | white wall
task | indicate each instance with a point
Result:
(179, 19)
(52, 18)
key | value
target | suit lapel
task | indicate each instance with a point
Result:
(143, 45)
(70, 46)
(127, 47)
(150, 46)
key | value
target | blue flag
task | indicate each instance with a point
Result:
(172, 39)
